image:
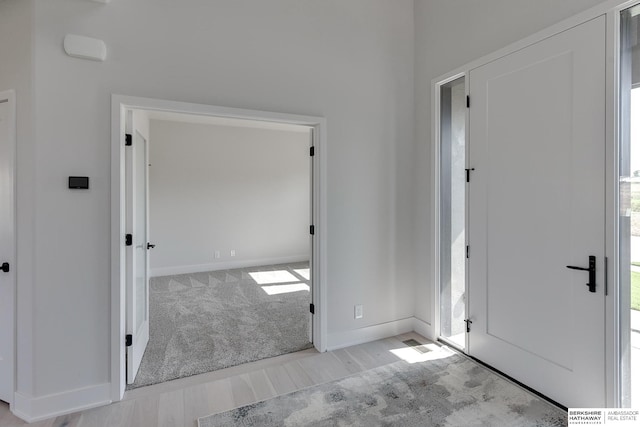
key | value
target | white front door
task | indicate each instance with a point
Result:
(7, 245)
(137, 263)
(537, 198)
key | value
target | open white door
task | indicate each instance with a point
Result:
(7, 245)
(311, 221)
(137, 263)
(537, 198)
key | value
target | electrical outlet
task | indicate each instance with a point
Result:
(357, 311)
(233, 252)
(216, 255)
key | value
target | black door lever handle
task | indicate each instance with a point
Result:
(573, 267)
(592, 272)
(150, 246)
(5, 267)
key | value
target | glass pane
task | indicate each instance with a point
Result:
(140, 147)
(629, 205)
(452, 211)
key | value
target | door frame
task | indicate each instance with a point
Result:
(614, 340)
(9, 96)
(611, 9)
(119, 105)
(436, 153)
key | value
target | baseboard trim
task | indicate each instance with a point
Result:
(32, 409)
(344, 339)
(423, 328)
(226, 265)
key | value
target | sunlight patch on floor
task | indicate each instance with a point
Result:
(422, 353)
(304, 272)
(285, 289)
(269, 277)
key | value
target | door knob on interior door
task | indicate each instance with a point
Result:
(592, 272)
(5, 267)
(150, 246)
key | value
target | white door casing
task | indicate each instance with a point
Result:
(137, 259)
(120, 105)
(536, 205)
(7, 245)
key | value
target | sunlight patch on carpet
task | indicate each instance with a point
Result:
(284, 289)
(269, 277)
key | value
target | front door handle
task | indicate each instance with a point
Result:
(592, 272)
(150, 246)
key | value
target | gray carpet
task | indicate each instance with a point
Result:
(446, 392)
(203, 322)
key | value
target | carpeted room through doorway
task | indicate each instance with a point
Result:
(202, 322)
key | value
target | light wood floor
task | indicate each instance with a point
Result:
(181, 402)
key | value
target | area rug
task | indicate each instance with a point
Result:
(449, 391)
(203, 322)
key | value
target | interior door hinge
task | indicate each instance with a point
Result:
(129, 340)
(128, 239)
(312, 308)
(467, 251)
(312, 230)
(468, 322)
(468, 101)
(468, 171)
(128, 140)
(312, 151)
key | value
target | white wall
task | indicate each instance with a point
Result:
(351, 62)
(450, 34)
(218, 188)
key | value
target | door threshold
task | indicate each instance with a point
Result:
(503, 375)
(206, 377)
(451, 343)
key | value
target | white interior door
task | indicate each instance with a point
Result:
(537, 143)
(7, 245)
(311, 221)
(137, 260)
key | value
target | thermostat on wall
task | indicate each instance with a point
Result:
(79, 182)
(85, 47)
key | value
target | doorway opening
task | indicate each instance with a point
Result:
(452, 215)
(220, 209)
(226, 268)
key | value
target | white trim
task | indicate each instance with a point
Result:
(612, 126)
(436, 94)
(338, 340)
(119, 103)
(32, 409)
(226, 265)
(9, 97)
